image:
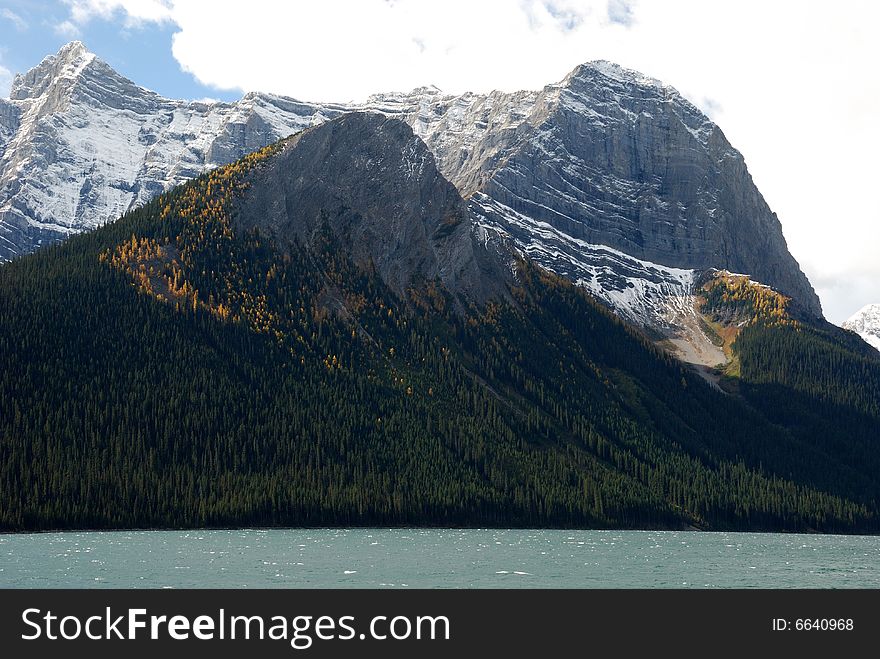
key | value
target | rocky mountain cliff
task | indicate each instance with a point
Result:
(374, 184)
(609, 178)
(866, 323)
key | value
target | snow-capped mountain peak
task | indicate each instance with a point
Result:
(63, 68)
(866, 323)
(81, 144)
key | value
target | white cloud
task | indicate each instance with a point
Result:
(66, 29)
(134, 12)
(343, 50)
(348, 49)
(845, 290)
(793, 86)
(621, 11)
(19, 23)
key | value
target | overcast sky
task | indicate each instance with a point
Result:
(794, 85)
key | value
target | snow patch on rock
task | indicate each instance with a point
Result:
(866, 323)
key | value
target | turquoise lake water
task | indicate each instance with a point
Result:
(437, 558)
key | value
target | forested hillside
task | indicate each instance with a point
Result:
(181, 368)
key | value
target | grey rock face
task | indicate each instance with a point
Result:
(638, 168)
(375, 185)
(611, 157)
(9, 121)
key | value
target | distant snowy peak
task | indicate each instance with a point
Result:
(65, 66)
(866, 323)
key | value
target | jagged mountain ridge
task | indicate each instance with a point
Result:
(866, 323)
(608, 178)
(608, 158)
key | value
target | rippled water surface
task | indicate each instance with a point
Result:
(420, 558)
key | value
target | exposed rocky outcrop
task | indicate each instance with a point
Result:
(370, 180)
